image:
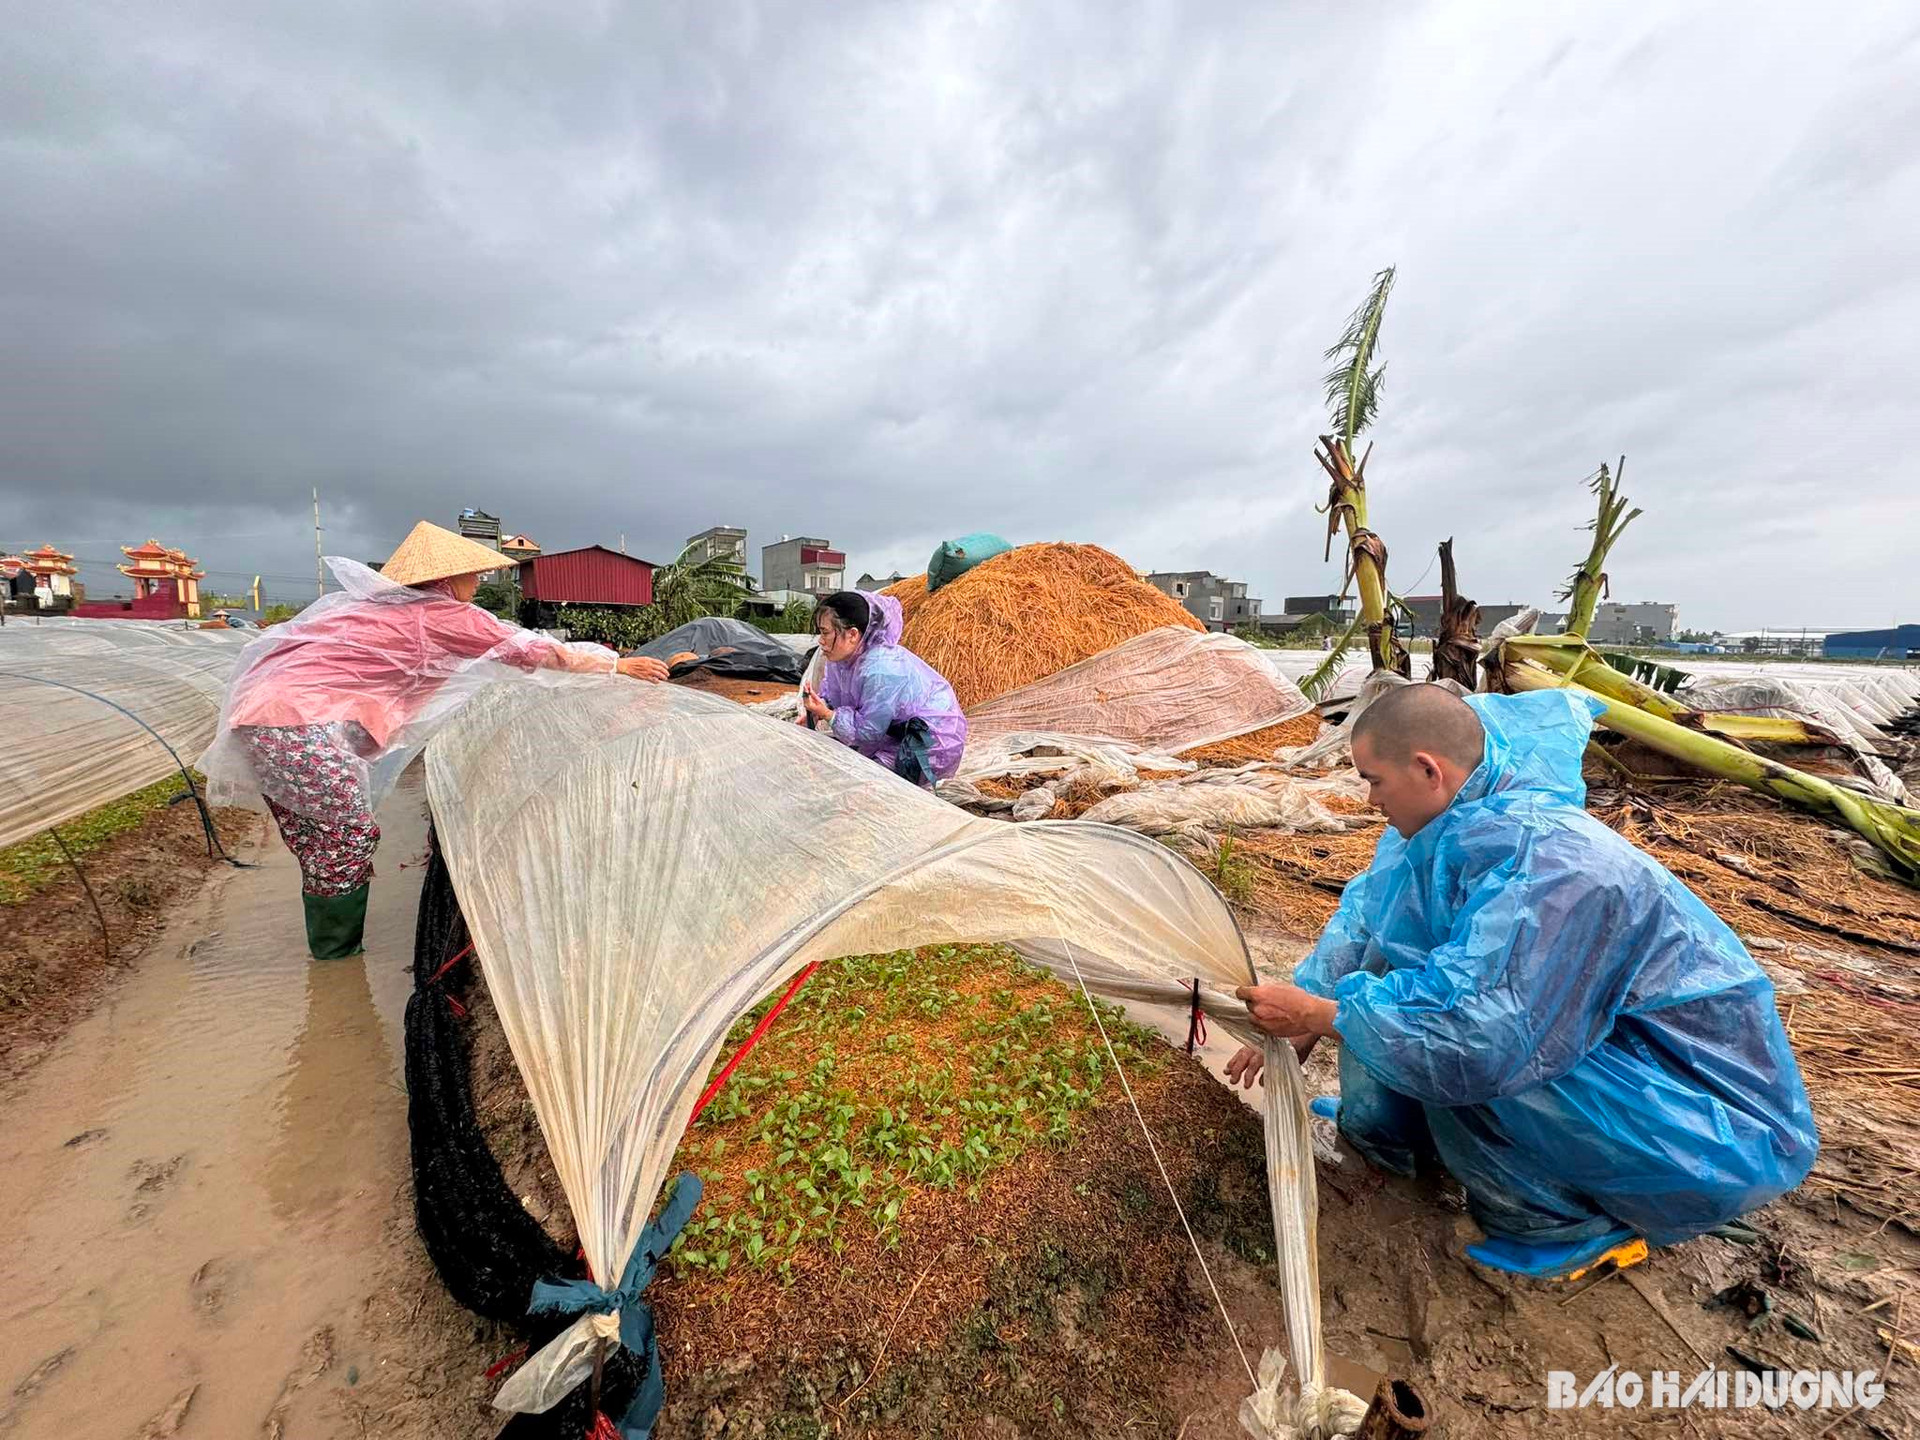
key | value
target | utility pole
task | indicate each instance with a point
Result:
(319, 574)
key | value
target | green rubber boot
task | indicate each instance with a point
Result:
(335, 923)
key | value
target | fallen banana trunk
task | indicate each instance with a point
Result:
(1895, 829)
(1571, 658)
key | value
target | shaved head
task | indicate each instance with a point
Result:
(1421, 717)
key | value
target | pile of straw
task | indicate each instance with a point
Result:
(1028, 614)
(1260, 744)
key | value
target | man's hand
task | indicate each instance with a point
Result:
(1287, 1010)
(642, 667)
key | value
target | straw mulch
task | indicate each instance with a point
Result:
(1298, 878)
(909, 592)
(1028, 614)
(1259, 745)
(1769, 871)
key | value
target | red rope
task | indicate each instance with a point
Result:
(713, 1086)
(459, 1010)
(451, 963)
(602, 1428)
(505, 1361)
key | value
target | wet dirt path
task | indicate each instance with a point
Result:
(195, 1180)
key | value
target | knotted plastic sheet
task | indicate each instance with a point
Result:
(639, 865)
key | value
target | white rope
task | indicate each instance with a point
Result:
(1166, 1179)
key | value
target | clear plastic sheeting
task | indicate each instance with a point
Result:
(1786, 700)
(639, 865)
(67, 635)
(1316, 1410)
(1296, 665)
(1249, 798)
(1169, 689)
(76, 704)
(990, 757)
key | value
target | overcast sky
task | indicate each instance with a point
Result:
(895, 271)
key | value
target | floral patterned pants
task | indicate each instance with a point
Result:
(316, 788)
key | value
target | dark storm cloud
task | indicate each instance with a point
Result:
(892, 272)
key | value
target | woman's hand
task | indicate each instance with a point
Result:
(641, 667)
(1245, 1068)
(816, 708)
(1249, 1062)
(1287, 1010)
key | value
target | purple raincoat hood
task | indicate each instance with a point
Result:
(884, 623)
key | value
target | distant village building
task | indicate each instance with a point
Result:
(479, 525)
(16, 582)
(1216, 602)
(1646, 623)
(802, 564)
(518, 547)
(166, 586)
(878, 582)
(1426, 615)
(1327, 607)
(717, 542)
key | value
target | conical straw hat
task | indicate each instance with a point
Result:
(430, 553)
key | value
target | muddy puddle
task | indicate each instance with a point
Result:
(196, 1178)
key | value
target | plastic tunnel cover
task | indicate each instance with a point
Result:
(640, 864)
(76, 710)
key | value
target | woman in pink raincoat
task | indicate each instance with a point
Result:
(324, 712)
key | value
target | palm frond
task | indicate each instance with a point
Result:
(1315, 686)
(1353, 385)
(1608, 525)
(688, 589)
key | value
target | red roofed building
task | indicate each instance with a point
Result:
(593, 575)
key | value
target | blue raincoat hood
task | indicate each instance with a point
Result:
(1517, 955)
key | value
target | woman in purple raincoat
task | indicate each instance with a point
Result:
(883, 700)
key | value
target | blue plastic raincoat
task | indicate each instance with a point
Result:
(891, 705)
(1577, 1037)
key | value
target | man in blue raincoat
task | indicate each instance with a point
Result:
(1525, 997)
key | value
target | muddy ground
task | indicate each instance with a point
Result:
(54, 961)
(212, 1236)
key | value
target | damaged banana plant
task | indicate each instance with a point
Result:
(1456, 648)
(1895, 829)
(1715, 744)
(1353, 395)
(1589, 582)
(1571, 657)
